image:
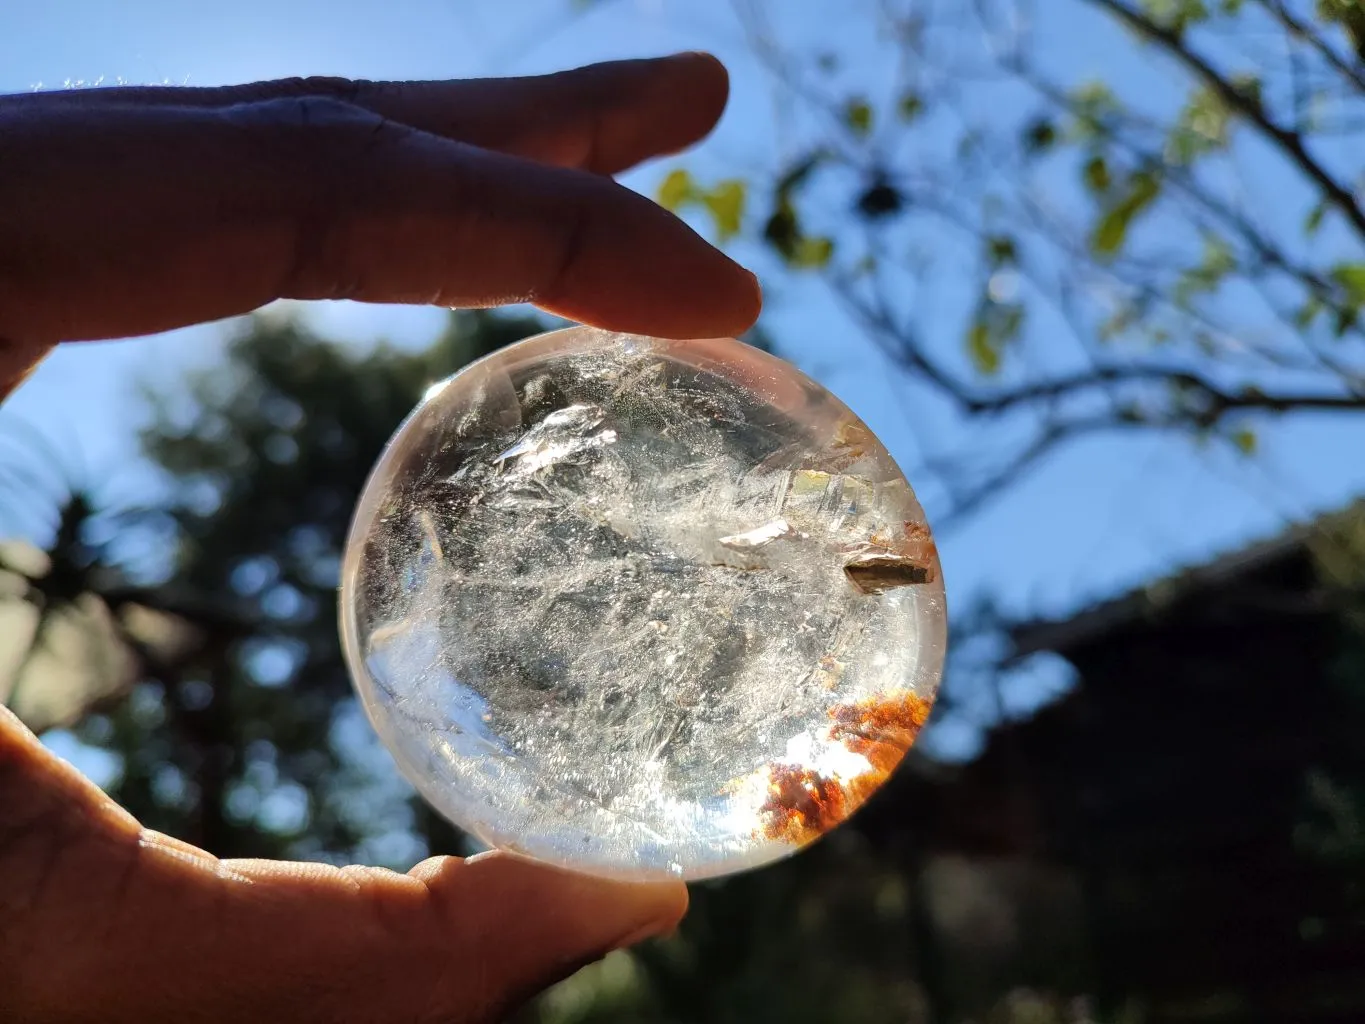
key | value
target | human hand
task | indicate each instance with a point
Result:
(101, 920)
(129, 211)
(134, 210)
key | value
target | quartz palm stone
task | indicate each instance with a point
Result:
(641, 608)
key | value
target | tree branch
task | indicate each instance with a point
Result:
(1302, 32)
(878, 321)
(1289, 141)
(970, 500)
(1269, 253)
(1220, 402)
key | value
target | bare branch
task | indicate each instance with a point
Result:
(1219, 401)
(1266, 251)
(908, 352)
(1290, 142)
(969, 500)
(1305, 34)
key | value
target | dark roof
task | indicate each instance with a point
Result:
(1149, 601)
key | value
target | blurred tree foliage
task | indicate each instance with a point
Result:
(1180, 245)
(246, 740)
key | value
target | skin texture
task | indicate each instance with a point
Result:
(130, 211)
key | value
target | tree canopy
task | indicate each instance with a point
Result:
(1045, 256)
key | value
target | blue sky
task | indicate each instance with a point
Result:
(1098, 517)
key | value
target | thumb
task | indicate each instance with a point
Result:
(103, 920)
(452, 940)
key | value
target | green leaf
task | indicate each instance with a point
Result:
(981, 347)
(1096, 174)
(1350, 15)
(726, 203)
(1245, 440)
(1351, 278)
(994, 327)
(812, 252)
(858, 116)
(911, 105)
(1202, 127)
(783, 231)
(1112, 228)
(1219, 261)
(1176, 15)
(1308, 312)
(676, 190)
(799, 250)
(1092, 106)
(1313, 221)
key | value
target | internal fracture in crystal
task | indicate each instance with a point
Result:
(642, 608)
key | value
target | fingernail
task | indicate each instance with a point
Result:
(752, 303)
(694, 55)
(575, 913)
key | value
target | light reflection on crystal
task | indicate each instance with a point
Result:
(642, 608)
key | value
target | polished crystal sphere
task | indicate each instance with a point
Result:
(642, 608)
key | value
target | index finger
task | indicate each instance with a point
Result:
(604, 117)
(143, 220)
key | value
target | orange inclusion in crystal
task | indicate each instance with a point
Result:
(803, 805)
